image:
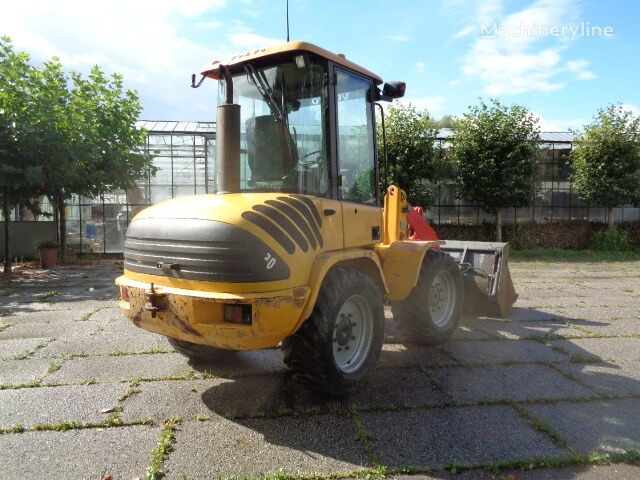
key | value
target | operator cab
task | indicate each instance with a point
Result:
(306, 123)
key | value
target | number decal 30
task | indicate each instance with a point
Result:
(270, 261)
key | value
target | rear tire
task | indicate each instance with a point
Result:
(337, 346)
(202, 353)
(431, 312)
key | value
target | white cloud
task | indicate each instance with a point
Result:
(421, 67)
(580, 70)
(431, 104)
(397, 38)
(252, 41)
(209, 25)
(634, 109)
(560, 125)
(516, 53)
(147, 42)
(465, 32)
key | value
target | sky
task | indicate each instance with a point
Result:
(561, 59)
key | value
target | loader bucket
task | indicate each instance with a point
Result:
(487, 281)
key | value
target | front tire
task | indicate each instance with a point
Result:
(337, 346)
(431, 312)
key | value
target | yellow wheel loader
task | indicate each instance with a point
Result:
(296, 248)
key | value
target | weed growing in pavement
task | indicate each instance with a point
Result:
(362, 436)
(454, 468)
(44, 296)
(54, 367)
(113, 421)
(132, 390)
(17, 428)
(88, 315)
(540, 425)
(28, 353)
(4, 325)
(145, 352)
(163, 447)
(71, 356)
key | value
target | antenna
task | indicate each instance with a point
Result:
(287, 20)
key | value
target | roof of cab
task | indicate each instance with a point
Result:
(289, 47)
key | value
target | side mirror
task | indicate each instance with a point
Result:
(391, 90)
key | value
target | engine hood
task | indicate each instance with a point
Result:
(232, 238)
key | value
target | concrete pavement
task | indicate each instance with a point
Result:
(551, 391)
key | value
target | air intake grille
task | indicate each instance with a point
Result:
(290, 220)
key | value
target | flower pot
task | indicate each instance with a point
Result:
(49, 257)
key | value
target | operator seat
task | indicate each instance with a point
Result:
(271, 152)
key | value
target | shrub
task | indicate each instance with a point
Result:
(575, 235)
(612, 240)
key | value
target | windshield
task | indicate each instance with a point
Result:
(283, 136)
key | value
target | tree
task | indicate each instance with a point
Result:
(415, 163)
(446, 121)
(89, 142)
(64, 135)
(606, 162)
(493, 149)
(20, 174)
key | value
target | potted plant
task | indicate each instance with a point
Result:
(48, 253)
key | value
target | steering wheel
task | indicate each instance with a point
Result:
(308, 155)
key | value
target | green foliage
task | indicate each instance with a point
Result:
(611, 240)
(446, 121)
(575, 236)
(416, 164)
(606, 162)
(66, 134)
(19, 172)
(493, 150)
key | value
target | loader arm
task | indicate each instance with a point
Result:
(484, 265)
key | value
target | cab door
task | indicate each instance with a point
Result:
(356, 159)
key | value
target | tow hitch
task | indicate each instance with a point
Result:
(153, 305)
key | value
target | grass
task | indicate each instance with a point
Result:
(145, 352)
(540, 426)
(27, 353)
(362, 436)
(163, 447)
(88, 315)
(44, 296)
(559, 255)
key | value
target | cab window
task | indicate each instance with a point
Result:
(356, 137)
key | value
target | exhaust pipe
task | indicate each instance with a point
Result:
(228, 139)
(487, 280)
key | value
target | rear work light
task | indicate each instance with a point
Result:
(235, 313)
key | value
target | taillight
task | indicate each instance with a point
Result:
(235, 313)
(124, 294)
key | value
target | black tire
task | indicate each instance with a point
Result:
(202, 353)
(337, 346)
(431, 312)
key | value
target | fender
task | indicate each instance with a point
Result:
(323, 263)
(402, 261)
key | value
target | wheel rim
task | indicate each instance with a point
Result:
(353, 334)
(442, 301)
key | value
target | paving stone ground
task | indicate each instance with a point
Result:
(86, 395)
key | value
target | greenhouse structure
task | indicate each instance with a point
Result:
(184, 155)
